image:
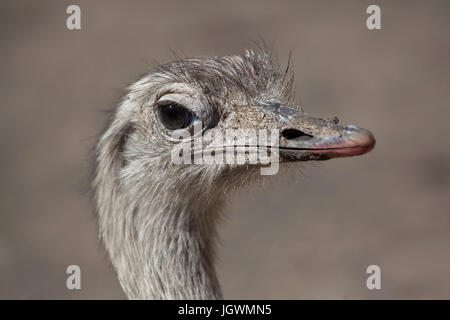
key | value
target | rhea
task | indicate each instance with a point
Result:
(158, 219)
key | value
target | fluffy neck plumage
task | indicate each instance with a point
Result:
(160, 248)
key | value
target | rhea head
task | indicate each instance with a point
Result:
(157, 217)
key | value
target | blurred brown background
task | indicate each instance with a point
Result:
(309, 237)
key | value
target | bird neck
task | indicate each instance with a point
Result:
(161, 251)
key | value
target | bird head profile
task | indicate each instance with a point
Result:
(157, 216)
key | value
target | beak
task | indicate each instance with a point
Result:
(304, 137)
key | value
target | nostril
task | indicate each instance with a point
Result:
(294, 133)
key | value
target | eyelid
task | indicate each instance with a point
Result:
(178, 98)
(168, 102)
(173, 103)
(163, 102)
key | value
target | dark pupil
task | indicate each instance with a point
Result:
(174, 116)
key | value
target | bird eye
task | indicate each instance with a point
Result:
(174, 116)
